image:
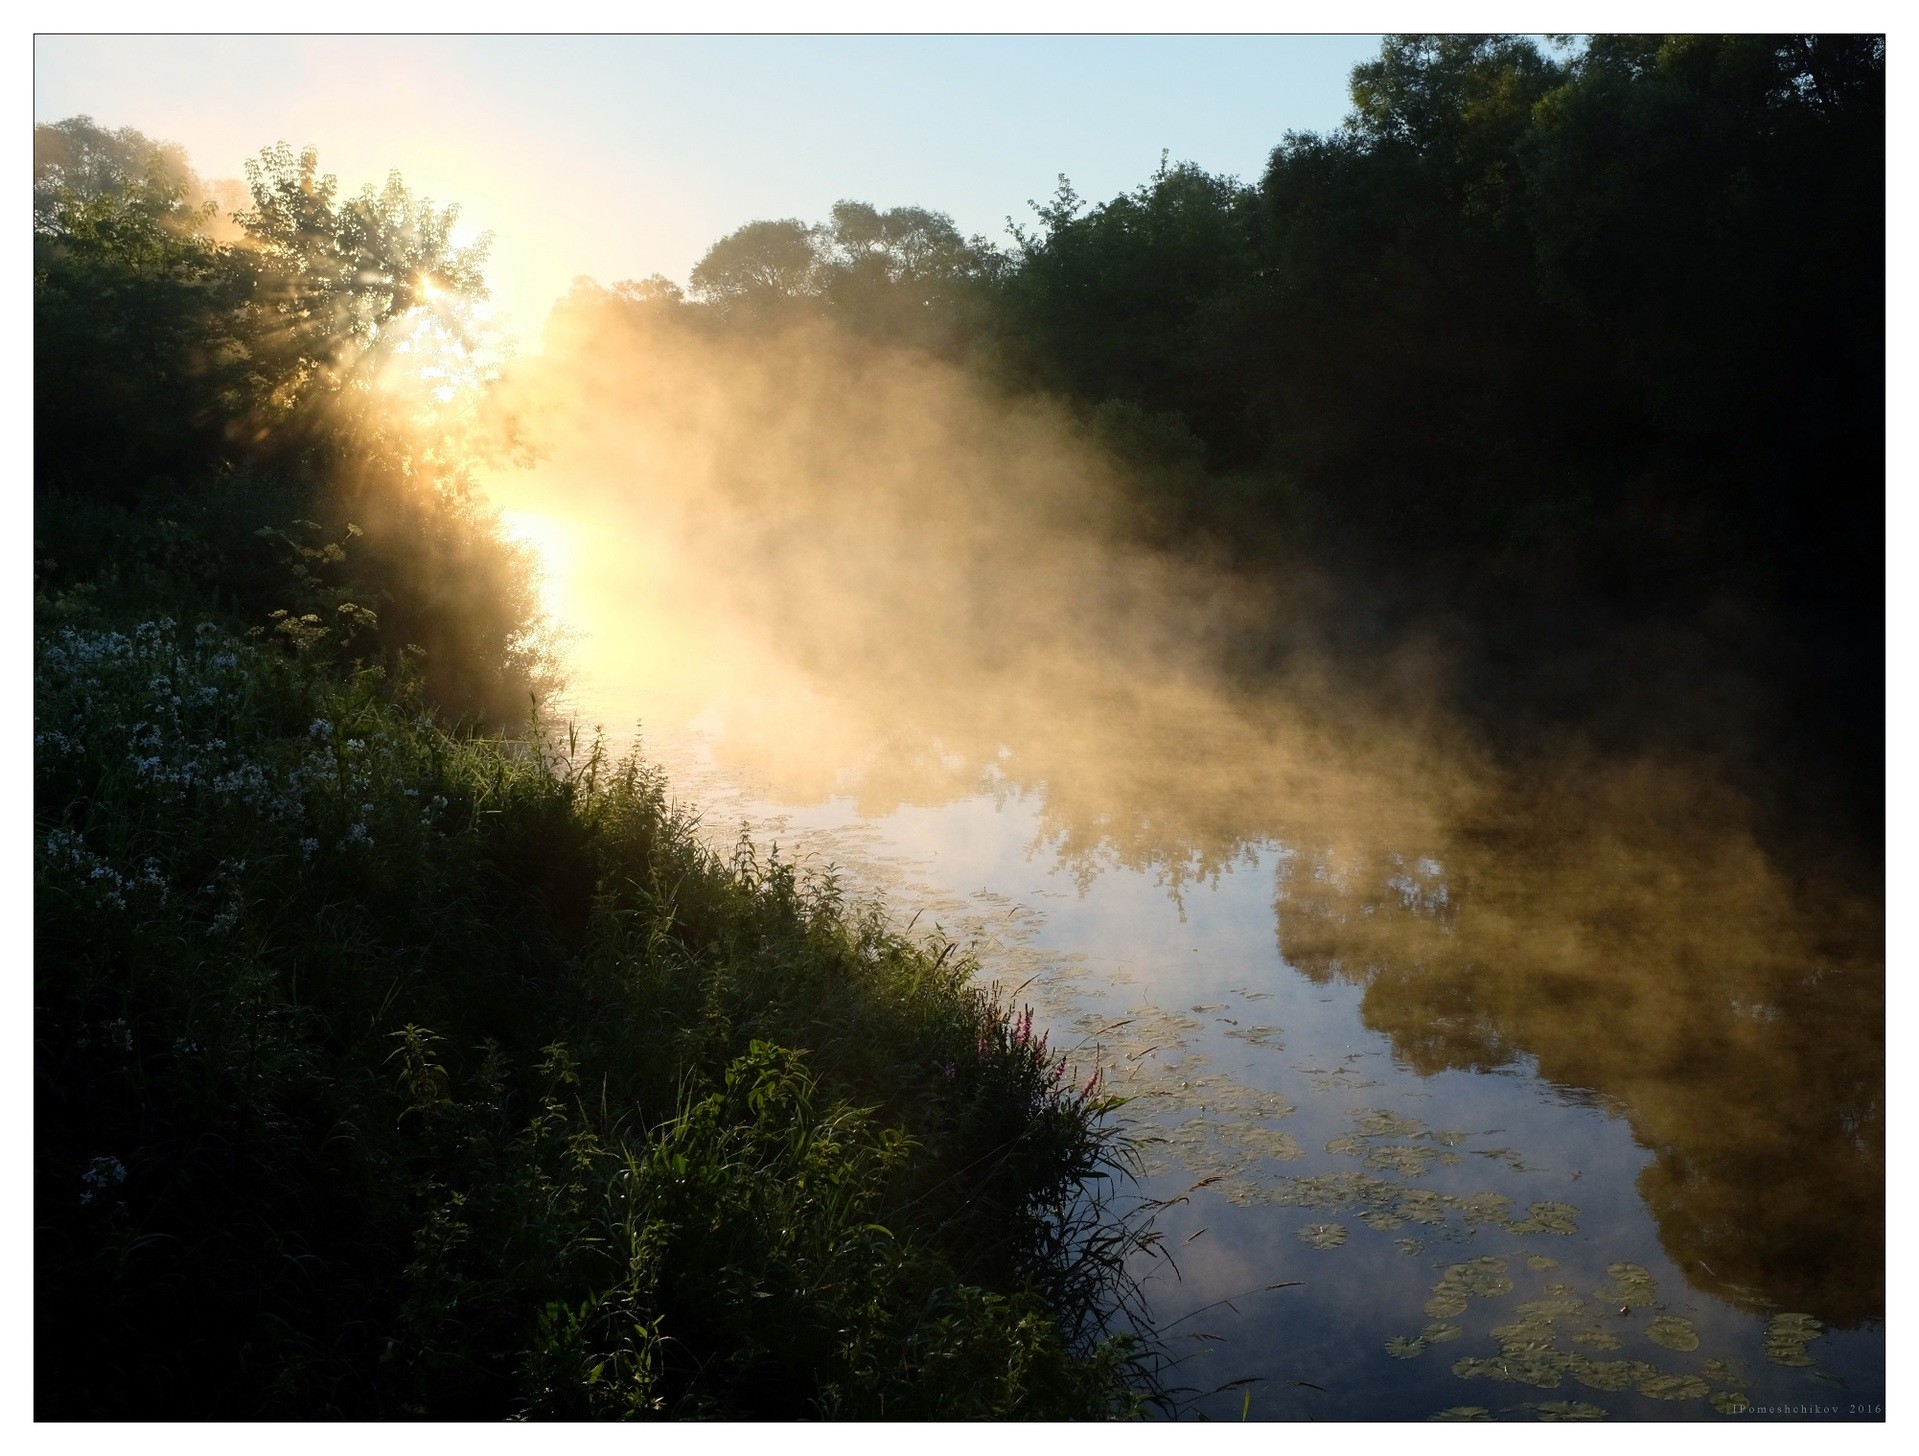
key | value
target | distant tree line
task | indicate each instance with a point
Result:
(1580, 351)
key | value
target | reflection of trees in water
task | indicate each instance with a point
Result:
(1625, 936)
(1737, 1023)
(1654, 960)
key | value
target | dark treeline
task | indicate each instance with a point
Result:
(1571, 365)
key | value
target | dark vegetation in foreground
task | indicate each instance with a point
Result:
(391, 1064)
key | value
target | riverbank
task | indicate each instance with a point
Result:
(384, 1071)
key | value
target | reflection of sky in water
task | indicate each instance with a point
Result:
(979, 867)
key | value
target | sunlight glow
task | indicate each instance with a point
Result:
(556, 543)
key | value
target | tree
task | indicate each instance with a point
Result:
(760, 266)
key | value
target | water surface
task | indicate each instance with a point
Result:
(1501, 1117)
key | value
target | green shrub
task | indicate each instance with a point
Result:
(383, 1071)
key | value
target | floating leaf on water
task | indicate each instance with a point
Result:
(1449, 1139)
(1462, 1413)
(1724, 1372)
(1672, 1387)
(1211, 1006)
(1407, 1160)
(1445, 1303)
(1421, 1205)
(1794, 1327)
(1787, 1336)
(1377, 1218)
(1553, 1218)
(1541, 1262)
(1243, 1192)
(1603, 1374)
(1262, 1142)
(1337, 1190)
(1478, 1367)
(1569, 1410)
(1729, 1402)
(1439, 1334)
(1401, 1348)
(1534, 1367)
(1250, 1103)
(1674, 1333)
(1632, 1284)
(1485, 1277)
(1346, 1146)
(1487, 1208)
(1378, 1122)
(1408, 1246)
(1558, 1288)
(1451, 1160)
(1324, 1235)
(1550, 1309)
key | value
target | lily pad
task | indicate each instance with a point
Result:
(1378, 1122)
(1725, 1372)
(1337, 1190)
(1632, 1285)
(1324, 1235)
(1528, 1367)
(1787, 1336)
(1673, 1387)
(1729, 1402)
(1421, 1205)
(1674, 1333)
(1380, 1219)
(1261, 1142)
(1569, 1410)
(1408, 1246)
(1552, 1218)
(1604, 1374)
(1472, 1367)
(1445, 1303)
(1463, 1413)
(1488, 1208)
(1541, 1262)
(1407, 1160)
(1484, 1277)
(1401, 1348)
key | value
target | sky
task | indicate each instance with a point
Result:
(619, 157)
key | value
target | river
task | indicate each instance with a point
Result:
(1446, 1127)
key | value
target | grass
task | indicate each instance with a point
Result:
(386, 1071)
